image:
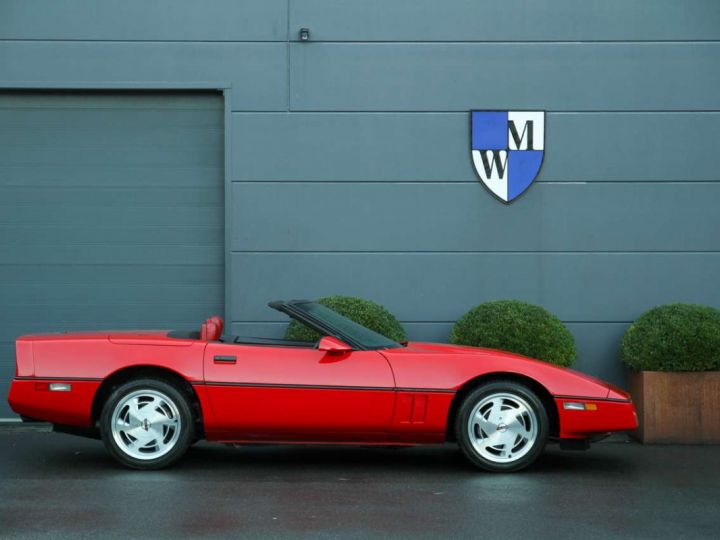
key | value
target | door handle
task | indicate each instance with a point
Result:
(225, 359)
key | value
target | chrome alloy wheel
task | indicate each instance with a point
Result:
(502, 427)
(146, 424)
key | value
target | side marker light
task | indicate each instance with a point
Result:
(579, 406)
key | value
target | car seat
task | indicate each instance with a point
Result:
(212, 329)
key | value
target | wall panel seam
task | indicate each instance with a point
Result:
(475, 182)
(514, 42)
(374, 42)
(436, 322)
(38, 40)
(299, 112)
(473, 252)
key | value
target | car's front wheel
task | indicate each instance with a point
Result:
(502, 426)
(147, 424)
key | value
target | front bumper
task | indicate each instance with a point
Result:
(603, 416)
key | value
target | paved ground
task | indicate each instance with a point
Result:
(58, 486)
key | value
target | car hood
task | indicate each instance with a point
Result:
(451, 366)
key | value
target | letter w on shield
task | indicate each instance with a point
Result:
(507, 150)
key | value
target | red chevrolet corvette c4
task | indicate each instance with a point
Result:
(150, 395)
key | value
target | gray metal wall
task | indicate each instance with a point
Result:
(348, 155)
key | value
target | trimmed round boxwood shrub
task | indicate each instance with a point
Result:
(519, 327)
(365, 312)
(673, 337)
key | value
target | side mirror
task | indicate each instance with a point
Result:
(333, 345)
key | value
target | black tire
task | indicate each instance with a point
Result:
(528, 453)
(186, 423)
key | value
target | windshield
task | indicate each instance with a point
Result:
(356, 332)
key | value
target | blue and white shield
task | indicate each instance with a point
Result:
(507, 150)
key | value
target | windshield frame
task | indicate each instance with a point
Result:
(295, 309)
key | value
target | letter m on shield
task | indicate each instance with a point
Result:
(507, 150)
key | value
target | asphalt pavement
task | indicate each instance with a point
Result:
(60, 486)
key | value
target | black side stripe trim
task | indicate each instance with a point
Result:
(79, 379)
(324, 387)
(264, 385)
(431, 390)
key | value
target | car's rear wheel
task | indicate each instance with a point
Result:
(147, 424)
(502, 426)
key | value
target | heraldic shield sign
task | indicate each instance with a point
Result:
(507, 150)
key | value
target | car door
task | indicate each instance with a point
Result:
(269, 392)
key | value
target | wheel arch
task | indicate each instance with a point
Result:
(543, 394)
(129, 373)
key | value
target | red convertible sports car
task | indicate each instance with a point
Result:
(150, 395)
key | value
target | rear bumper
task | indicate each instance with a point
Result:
(31, 397)
(605, 416)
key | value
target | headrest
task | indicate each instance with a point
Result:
(212, 329)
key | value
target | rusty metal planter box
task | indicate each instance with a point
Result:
(677, 407)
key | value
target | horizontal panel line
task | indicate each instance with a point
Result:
(208, 290)
(465, 111)
(476, 252)
(115, 244)
(117, 86)
(110, 303)
(90, 94)
(90, 185)
(440, 322)
(169, 168)
(49, 263)
(369, 42)
(476, 182)
(105, 207)
(209, 188)
(507, 42)
(110, 146)
(104, 228)
(82, 166)
(105, 285)
(80, 40)
(108, 208)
